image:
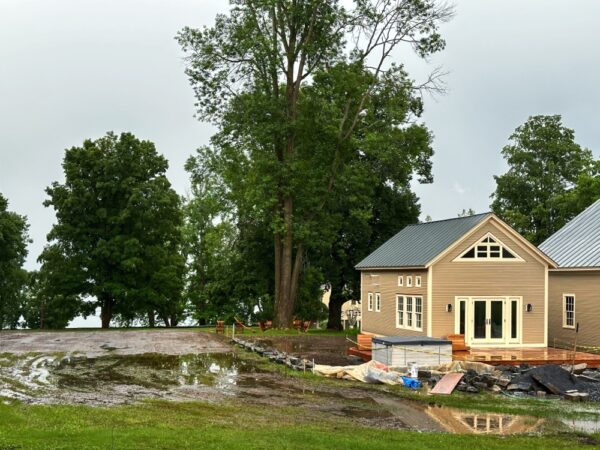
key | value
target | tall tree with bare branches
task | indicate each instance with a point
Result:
(299, 90)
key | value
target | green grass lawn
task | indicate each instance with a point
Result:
(168, 425)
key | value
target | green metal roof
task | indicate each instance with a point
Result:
(418, 244)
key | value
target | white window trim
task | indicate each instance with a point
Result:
(564, 311)
(409, 281)
(377, 302)
(400, 298)
(413, 314)
(417, 281)
(460, 258)
(400, 281)
(370, 301)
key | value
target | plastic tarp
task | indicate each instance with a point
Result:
(463, 366)
(370, 372)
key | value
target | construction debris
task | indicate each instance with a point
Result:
(575, 383)
(447, 384)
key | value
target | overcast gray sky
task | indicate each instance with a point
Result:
(74, 69)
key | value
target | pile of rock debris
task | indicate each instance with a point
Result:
(551, 381)
(293, 362)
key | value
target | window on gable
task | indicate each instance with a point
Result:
(507, 254)
(489, 248)
(470, 253)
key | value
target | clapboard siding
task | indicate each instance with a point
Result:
(386, 283)
(484, 278)
(586, 288)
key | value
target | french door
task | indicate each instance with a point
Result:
(489, 320)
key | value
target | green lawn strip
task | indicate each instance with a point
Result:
(201, 425)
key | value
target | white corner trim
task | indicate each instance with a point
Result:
(362, 281)
(429, 300)
(546, 306)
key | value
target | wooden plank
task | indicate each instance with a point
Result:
(365, 355)
(447, 384)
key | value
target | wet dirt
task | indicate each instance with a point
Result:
(117, 342)
(330, 350)
(107, 378)
(220, 377)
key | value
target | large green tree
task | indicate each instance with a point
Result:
(117, 239)
(545, 164)
(47, 308)
(359, 234)
(13, 251)
(298, 90)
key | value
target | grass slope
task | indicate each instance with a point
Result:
(168, 425)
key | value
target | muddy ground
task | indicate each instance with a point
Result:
(113, 342)
(104, 372)
(120, 367)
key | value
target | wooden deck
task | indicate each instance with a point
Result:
(531, 356)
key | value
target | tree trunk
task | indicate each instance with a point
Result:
(297, 269)
(106, 312)
(174, 320)
(284, 303)
(277, 245)
(151, 319)
(334, 321)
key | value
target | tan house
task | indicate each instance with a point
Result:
(350, 311)
(574, 287)
(473, 275)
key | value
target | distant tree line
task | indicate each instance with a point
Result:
(125, 242)
(319, 140)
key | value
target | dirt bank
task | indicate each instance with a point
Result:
(113, 342)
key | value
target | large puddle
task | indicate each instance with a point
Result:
(218, 377)
(110, 380)
(477, 422)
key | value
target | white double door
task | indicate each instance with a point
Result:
(492, 320)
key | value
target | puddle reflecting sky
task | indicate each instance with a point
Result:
(477, 422)
(39, 376)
